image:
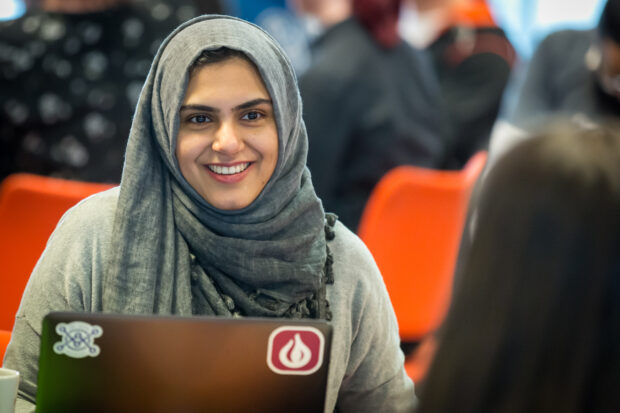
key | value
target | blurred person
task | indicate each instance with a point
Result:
(319, 15)
(70, 72)
(216, 215)
(534, 324)
(371, 103)
(312, 18)
(473, 59)
(296, 23)
(573, 73)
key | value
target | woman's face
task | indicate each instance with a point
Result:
(227, 146)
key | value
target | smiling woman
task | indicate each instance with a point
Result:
(227, 146)
(216, 215)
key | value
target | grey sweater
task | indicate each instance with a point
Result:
(366, 371)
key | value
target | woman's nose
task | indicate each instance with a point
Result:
(227, 139)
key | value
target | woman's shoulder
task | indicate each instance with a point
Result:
(347, 238)
(70, 267)
(91, 217)
(95, 207)
(351, 256)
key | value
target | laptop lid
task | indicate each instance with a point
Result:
(99, 362)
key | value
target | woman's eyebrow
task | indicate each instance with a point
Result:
(245, 105)
(203, 108)
(251, 103)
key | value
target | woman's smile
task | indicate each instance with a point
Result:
(229, 174)
(229, 170)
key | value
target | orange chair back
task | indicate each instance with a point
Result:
(5, 337)
(30, 208)
(412, 224)
(472, 13)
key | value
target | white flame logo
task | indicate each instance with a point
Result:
(295, 354)
(295, 350)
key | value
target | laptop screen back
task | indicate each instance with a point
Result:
(122, 363)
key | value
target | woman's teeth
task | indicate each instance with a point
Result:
(229, 170)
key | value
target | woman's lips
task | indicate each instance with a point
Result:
(230, 173)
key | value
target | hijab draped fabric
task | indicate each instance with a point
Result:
(172, 252)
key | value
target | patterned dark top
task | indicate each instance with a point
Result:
(69, 84)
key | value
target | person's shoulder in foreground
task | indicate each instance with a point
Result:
(534, 323)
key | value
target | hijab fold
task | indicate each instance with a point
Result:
(173, 253)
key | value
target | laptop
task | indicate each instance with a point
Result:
(98, 362)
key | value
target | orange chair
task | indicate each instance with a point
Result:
(412, 224)
(418, 362)
(472, 13)
(5, 337)
(30, 207)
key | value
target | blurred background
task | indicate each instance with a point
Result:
(525, 21)
(453, 90)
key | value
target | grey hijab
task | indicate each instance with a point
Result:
(172, 252)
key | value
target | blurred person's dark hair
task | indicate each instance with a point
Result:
(609, 23)
(380, 18)
(534, 324)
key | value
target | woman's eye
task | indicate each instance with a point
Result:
(199, 119)
(252, 116)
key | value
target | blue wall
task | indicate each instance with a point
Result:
(527, 22)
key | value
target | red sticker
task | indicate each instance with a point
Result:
(295, 350)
